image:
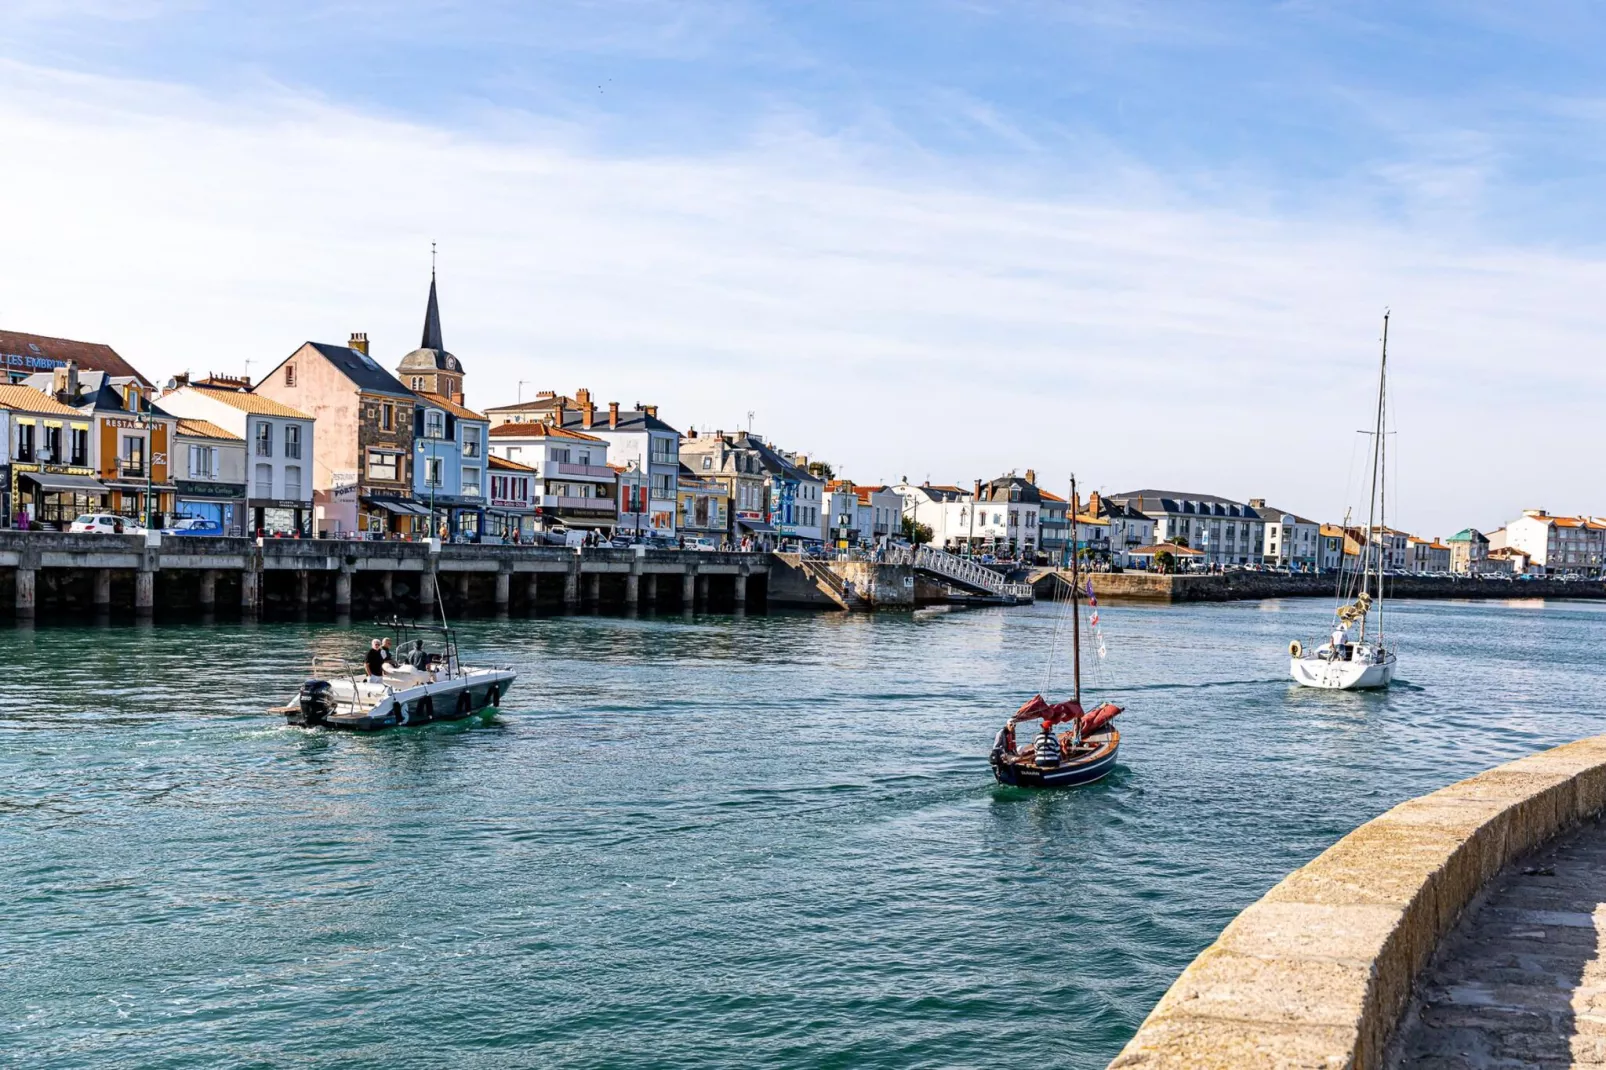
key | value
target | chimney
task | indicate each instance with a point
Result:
(1093, 503)
(1031, 476)
(1257, 503)
(692, 433)
(588, 412)
(650, 410)
(359, 342)
(976, 495)
(542, 395)
(582, 397)
(613, 414)
(557, 414)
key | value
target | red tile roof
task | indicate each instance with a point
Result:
(17, 348)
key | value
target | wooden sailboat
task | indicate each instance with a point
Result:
(1087, 750)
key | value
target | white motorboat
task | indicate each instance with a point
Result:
(1356, 656)
(426, 683)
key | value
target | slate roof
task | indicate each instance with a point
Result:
(999, 490)
(89, 356)
(1184, 504)
(1275, 516)
(363, 371)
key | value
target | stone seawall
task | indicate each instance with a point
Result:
(1319, 972)
(1238, 586)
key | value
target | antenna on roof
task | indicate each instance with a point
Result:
(522, 384)
(750, 421)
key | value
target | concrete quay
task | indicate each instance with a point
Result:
(44, 573)
(1245, 586)
(1322, 971)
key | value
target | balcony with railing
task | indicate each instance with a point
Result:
(131, 467)
(566, 502)
(583, 471)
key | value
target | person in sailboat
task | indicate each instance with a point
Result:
(1046, 749)
(1004, 741)
(1342, 651)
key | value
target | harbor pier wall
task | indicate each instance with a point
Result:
(1320, 971)
(51, 574)
(1245, 586)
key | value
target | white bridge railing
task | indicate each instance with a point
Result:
(960, 570)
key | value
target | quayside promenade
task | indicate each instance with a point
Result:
(1247, 586)
(45, 573)
(1459, 929)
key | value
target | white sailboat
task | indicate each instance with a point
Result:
(1356, 655)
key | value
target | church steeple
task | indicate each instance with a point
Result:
(432, 315)
(429, 368)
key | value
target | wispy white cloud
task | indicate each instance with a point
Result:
(883, 317)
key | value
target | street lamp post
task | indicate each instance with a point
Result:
(142, 417)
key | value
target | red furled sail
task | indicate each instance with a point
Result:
(1099, 717)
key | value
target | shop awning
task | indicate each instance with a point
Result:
(396, 505)
(71, 484)
(757, 527)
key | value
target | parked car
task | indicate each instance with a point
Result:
(702, 543)
(106, 524)
(193, 525)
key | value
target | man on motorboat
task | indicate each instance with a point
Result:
(374, 663)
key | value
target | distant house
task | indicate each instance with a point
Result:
(280, 462)
(512, 497)
(633, 435)
(575, 485)
(1226, 532)
(363, 481)
(22, 355)
(1427, 555)
(1126, 528)
(947, 510)
(1469, 550)
(1288, 540)
(47, 458)
(741, 470)
(1559, 545)
(209, 471)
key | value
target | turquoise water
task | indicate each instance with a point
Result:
(767, 842)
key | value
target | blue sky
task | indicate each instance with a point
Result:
(968, 223)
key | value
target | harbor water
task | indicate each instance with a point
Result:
(698, 842)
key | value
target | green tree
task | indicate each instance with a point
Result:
(822, 470)
(1165, 561)
(916, 532)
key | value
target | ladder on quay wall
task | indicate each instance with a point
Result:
(833, 585)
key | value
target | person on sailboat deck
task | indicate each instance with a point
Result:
(1004, 741)
(1046, 749)
(1341, 642)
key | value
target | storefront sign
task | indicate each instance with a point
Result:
(22, 360)
(345, 487)
(209, 490)
(276, 503)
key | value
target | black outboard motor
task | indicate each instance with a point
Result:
(317, 702)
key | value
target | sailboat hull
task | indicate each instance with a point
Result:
(1338, 675)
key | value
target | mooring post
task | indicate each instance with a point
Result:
(144, 592)
(26, 578)
(248, 590)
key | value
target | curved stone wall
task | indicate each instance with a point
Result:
(1319, 971)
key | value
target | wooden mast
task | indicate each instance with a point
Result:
(1076, 592)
